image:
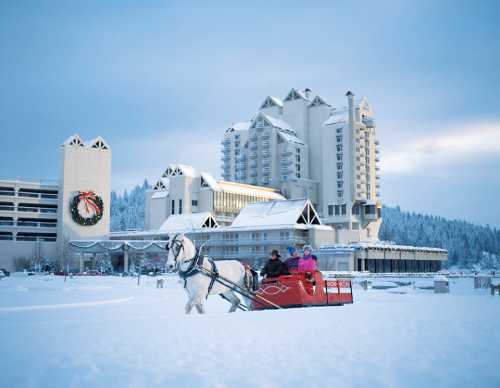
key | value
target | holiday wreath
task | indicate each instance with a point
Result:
(88, 203)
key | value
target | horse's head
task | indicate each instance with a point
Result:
(180, 250)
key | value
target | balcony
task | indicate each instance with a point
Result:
(265, 154)
(253, 146)
(6, 221)
(253, 155)
(377, 168)
(266, 144)
(266, 162)
(226, 150)
(253, 137)
(266, 136)
(7, 206)
(377, 142)
(377, 151)
(377, 159)
(253, 164)
(285, 161)
(7, 192)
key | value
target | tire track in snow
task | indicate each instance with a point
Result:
(65, 305)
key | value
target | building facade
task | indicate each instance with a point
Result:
(306, 148)
(38, 218)
(183, 190)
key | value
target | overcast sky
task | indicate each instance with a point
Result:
(162, 80)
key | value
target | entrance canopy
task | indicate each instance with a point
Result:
(105, 246)
(118, 246)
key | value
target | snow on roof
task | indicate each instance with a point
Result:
(290, 138)
(183, 222)
(241, 188)
(277, 101)
(278, 123)
(188, 170)
(160, 194)
(337, 116)
(210, 181)
(241, 126)
(271, 213)
(383, 245)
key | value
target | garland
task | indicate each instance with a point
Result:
(91, 200)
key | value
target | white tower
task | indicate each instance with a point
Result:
(84, 189)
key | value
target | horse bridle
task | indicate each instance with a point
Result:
(176, 244)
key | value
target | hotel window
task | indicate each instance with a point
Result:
(339, 131)
(340, 194)
(297, 167)
(330, 210)
(339, 175)
(339, 139)
(339, 157)
(344, 209)
(339, 166)
(340, 184)
(298, 150)
(194, 202)
(339, 147)
(297, 158)
(180, 206)
(337, 210)
(173, 206)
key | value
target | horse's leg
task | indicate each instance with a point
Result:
(199, 307)
(189, 305)
(233, 299)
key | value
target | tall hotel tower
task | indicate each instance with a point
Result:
(308, 149)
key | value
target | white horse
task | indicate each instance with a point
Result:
(182, 252)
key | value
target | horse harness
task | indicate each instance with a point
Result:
(196, 266)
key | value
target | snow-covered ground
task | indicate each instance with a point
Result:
(109, 332)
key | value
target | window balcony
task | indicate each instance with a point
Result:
(265, 154)
(226, 151)
(286, 153)
(6, 192)
(7, 206)
(266, 136)
(253, 146)
(253, 155)
(226, 142)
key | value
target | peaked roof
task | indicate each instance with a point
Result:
(179, 170)
(98, 143)
(183, 222)
(74, 140)
(271, 101)
(277, 213)
(318, 100)
(273, 122)
(295, 94)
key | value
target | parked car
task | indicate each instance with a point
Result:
(4, 271)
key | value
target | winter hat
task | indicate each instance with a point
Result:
(291, 250)
(275, 253)
(308, 248)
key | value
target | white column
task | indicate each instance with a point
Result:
(81, 261)
(125, 261)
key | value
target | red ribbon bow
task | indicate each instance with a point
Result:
(88, 198)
